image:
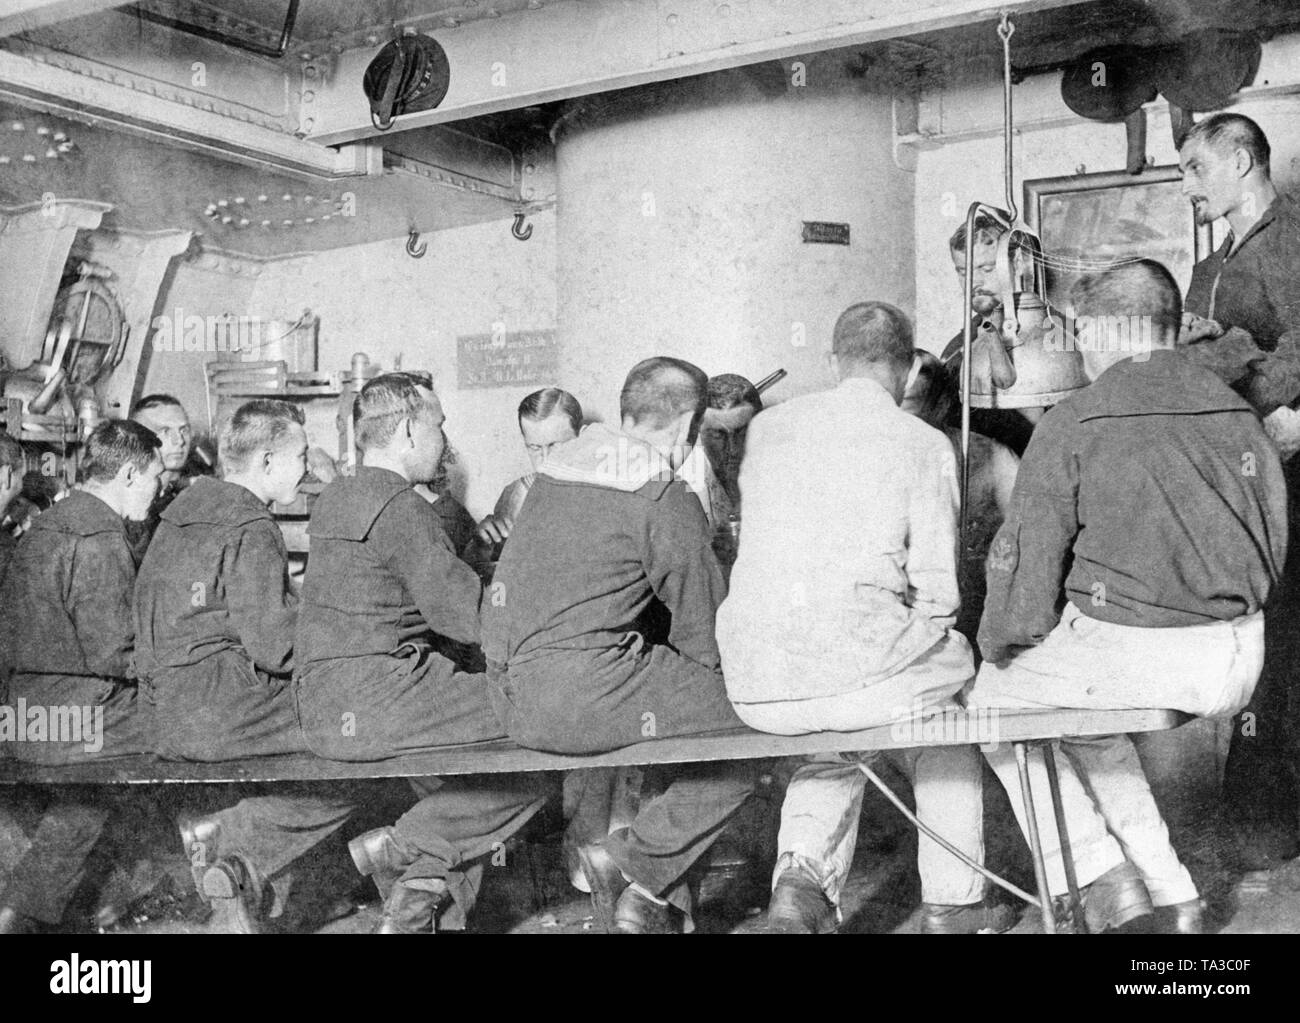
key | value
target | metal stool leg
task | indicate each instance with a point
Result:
(1067, 857)
(1035, 845)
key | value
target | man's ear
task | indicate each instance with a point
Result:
(266, 461)
(129, 474)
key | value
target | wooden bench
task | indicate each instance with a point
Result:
(1021, 728)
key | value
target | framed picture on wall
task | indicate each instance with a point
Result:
(1116, 215)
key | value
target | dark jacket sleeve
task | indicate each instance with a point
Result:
(263, 610)
(684, 573)
(1277, 377)
(100, 584)
(1234, 357)
(1270, 365)
(1030, 556)
(444, 588)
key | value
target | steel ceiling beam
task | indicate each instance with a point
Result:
(576, 47)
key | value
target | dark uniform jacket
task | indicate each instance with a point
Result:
(214, 622)
(1254, 294)
(603, 605)
(66, 633)
(1152, 498)
(8, 542)
(384, 593)
(139, 534)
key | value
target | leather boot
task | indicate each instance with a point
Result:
(201, 840)
(236, 894)
(413, 910)
(635, 914)
(1116, 900)
(605, 880)
(377, 857)
(14, 922)
(980, 918)
(1181, 918)
(799, 906)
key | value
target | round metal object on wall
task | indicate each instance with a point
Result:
(423, 77)
(1108, 84)
(1205, 68)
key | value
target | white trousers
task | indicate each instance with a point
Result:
(819, 818)
(1110, 813)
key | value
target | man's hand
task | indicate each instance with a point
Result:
(1283, 428)
(321, 465)
(1197, 328)
(494, 529)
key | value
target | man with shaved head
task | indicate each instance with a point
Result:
(611, 544)
(1242, 320)
(822, 635)
(1147, 530)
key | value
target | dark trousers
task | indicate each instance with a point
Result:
(221, 710)
(459, 828)
(372, 708)
(54, 865)
(112, 718)
(594, 701)
(1261, 779)
(455, 824)
(678, 826)
(1260, 787)
(74, 819)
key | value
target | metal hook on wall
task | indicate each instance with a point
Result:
(414, 247)
(518, 230)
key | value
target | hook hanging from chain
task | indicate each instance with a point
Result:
(414, 247)
(1005, 31)
(519, 230)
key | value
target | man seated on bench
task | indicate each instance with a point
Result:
(384, 590)
(215, 620)
(213, 608)
(1147, 528)
(66, 635)
(612, 539)
(841, 616)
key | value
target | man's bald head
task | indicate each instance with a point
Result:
(873, 332)
(1125, 312)
(660, 390)
(662, 403)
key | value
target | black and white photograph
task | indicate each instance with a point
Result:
(651, 467)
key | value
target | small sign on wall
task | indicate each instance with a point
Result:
(824, 232)
(507, 359)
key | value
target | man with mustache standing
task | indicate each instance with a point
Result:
(1242, 320)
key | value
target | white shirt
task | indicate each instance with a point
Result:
(847, 568)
